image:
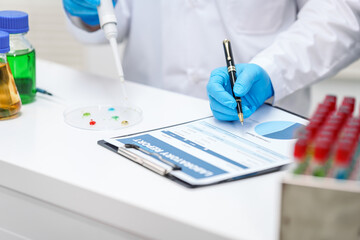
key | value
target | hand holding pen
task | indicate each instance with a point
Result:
(252, 85)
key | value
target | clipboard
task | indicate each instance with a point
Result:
(207, 151)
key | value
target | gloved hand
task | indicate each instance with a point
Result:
(85, 9)
(253, 85)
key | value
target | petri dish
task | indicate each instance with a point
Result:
(102, 117)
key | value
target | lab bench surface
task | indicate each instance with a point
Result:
(57, 183)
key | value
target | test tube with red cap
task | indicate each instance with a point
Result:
(317, 120)
(343, 156)
(331, 146)
(300, 154)
(346, 149)
(319, 165)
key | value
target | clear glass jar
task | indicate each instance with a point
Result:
(22, 59)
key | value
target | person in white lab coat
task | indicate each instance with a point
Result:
(284, 46)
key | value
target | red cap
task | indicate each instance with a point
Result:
(349, 101)
(331, 128)
(343, 153)
(334, 121)
(353, 122)
(323, 108)
(343, 112)
(312, 129)
(300, 149)
(321, 111)
(349, 135)
(322, 149)
(330, 100)
(327, 134)
(348, 130)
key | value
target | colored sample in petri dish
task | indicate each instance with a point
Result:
(102, 117)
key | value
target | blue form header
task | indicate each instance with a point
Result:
(190, 164)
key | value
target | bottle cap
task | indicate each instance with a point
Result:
(4, 42)
(14, 22)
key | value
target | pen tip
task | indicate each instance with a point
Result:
(241, 118)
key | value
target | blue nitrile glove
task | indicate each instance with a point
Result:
(253, 85)
(85, 9)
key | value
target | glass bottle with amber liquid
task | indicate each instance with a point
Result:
(10, 102)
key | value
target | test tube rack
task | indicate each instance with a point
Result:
(321, 195)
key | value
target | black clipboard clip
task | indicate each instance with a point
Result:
(145, 162)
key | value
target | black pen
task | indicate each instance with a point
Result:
(232, 73)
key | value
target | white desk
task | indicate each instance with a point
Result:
(57, 183)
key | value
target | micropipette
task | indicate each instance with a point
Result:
(108, 24)
(121, 113)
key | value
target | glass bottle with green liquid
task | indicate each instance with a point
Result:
(21, 56)
(10, 102)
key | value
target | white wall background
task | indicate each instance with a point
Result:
(52, 41)
(48, 32)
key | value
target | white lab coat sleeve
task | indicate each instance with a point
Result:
(324, 39)
(122, 11)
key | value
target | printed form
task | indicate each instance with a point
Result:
(210, 151)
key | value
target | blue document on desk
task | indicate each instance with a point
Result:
(209, 151)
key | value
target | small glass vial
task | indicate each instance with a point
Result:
(21, 56)
(10, 102)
